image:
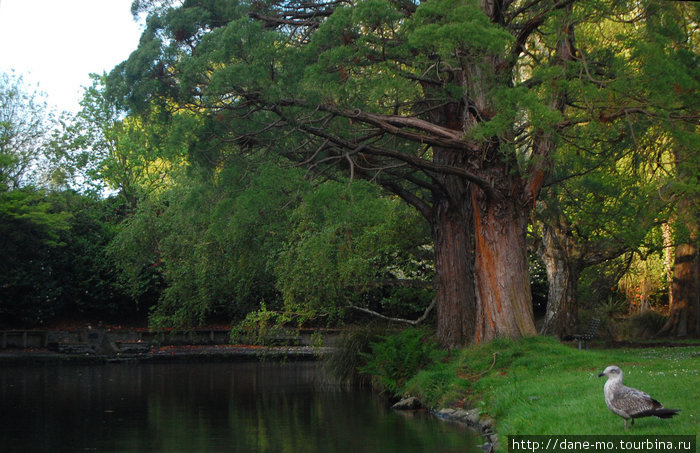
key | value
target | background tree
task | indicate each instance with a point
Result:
(54, 262)
(25, 124)
(596, 216)
(596, 226)
(53, 242)
(251, 238)
(352, 249)
(102, 152)
(670, 46)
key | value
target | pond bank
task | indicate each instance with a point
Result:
(471, 418)
(538, 386)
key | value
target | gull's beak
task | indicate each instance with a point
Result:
(601, 374)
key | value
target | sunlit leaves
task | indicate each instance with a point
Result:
(345, 240)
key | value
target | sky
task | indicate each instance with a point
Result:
(56, 44)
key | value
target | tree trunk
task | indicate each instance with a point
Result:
(562, 276)
(454, 283)
(668, 258)
(683, 319)
(454, 255)
(504, 301)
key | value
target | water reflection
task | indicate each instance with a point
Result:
(205, 407)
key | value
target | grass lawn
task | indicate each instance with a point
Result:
(540, 386)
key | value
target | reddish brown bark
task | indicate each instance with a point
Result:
(504, 303)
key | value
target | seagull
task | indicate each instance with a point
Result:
(628, 402)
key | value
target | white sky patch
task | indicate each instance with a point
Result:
(56, 44)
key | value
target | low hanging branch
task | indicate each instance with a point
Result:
(402, 320)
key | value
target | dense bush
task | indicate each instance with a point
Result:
(350, 353)
(396, 358)
(642, 326)
(54, 262)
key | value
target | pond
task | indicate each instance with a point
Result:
(206, 407)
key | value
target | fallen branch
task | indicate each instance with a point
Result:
(403, 320)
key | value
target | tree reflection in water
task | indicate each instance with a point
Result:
(205, 407)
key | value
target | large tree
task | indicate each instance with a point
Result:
(456, 106)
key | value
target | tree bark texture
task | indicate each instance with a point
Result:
(504, 301)
(563, 272)
(684, 319)
(454, 270)
(684, 316)
(454, 255)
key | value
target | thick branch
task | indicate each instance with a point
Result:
(433, 134)
(409, 197)
(429, 133)
(275, 21)
(415, 161)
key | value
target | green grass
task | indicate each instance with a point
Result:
(539, 386)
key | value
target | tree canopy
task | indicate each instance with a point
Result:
(456, 106)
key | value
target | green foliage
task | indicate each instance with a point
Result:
(88, 275)
(612, 308)
(30, 238)
(25, 123)
(99, 150)
(135, 251)
(54, 261)
(209, 244)
(261, 327)
(221, 241)
(446, 25)
(398, 357)
(345, 239)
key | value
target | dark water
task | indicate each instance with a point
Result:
(205, 407)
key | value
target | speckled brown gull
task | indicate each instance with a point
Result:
(630, 403)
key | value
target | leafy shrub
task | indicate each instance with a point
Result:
(643, 325)
(262, 327)
(612, 308)
(397, 358)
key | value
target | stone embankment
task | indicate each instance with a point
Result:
(469, 417)
(108, 345)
